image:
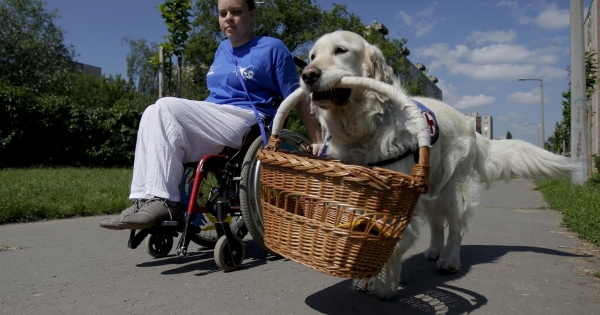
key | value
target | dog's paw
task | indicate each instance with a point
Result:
(363, 285)
(386, 293)
(372, 286)
(448, 265)
(432, 253)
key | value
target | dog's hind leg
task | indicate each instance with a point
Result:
(385, 283)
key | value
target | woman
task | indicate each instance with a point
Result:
(176, 131)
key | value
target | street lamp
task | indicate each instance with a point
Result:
(542, 94)
(537, 128)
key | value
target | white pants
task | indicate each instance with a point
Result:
(175, 131)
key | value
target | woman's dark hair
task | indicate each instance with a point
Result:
(251, 4)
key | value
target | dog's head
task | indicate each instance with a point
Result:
(340, 54)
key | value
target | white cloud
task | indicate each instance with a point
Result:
(500, 37)
(448, 92)
(553, 73)
(516, 116)
(552, 18)
(472, 101)
(502, 119)
(545, 16)
(423, 21)
(520, 13)
(493, 62)
(531, 97)
(491, 71)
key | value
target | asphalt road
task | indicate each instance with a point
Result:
(516, 258)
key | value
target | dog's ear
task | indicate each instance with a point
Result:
(377, 65)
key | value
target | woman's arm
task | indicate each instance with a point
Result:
(312, 126)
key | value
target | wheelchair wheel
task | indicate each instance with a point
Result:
(229, 255)
(250, 182)
(207, 237)
(158, 245)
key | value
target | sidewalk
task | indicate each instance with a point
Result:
(516, 260)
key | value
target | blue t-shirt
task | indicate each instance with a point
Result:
(267, 67)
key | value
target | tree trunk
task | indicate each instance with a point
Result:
(179, 62)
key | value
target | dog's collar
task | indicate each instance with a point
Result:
(434, 133)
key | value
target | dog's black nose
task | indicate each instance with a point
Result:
(310, 75)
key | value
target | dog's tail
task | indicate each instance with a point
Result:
(503, 159)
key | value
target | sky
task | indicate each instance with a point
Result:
(476, 48)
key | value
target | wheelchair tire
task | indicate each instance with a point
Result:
(158, 245)
(250, 181)
(229, 256)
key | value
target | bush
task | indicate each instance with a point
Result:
(54, 130)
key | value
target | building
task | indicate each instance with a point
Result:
(87, 69)
(483, 124)
(415, 71)
(591, 43)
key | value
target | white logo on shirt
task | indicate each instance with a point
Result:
(247, 72)
(212, 69)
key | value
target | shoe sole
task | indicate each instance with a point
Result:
(134, 226)
(111, 227)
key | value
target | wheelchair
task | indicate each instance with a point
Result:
(221, 193)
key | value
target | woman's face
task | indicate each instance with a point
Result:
(236, 21)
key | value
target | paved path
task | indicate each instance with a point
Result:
(516, 260)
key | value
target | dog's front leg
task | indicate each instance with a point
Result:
(436, 225)
(385, 283)
(450, 258)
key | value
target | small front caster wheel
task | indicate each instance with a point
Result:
(229, 256)
(158, 245)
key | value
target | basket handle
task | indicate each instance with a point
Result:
(394, 94)
(398, 97)
(420, 171)
(284, 109)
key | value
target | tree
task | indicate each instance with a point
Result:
(140, 69)
(561, 139)
(32, 52)
(508, 135)
(176, 14)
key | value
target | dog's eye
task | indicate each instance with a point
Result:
(312, 57)
(340, 50)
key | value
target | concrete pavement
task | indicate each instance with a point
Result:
(516, 259)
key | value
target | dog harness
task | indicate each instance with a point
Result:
(434, 133)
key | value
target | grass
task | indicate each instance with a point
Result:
(580, 205)
(52, 193)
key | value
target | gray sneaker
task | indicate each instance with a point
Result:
(113, 223)
(150, 213)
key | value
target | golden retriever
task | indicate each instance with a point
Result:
(366, 127)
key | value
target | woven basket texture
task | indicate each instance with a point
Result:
(340, 219)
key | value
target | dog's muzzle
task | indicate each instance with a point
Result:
(311, 76)
(336, 96)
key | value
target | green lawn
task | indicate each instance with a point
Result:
(580, 205)
(52, 193)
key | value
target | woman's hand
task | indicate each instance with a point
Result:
(317, 148)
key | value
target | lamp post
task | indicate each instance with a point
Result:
(542, 94)
(537, 128)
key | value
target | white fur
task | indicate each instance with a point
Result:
(368, 128)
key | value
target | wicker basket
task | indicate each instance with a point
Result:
(340, 219)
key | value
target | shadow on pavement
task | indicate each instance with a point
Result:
(424, 291)
(202, 259)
